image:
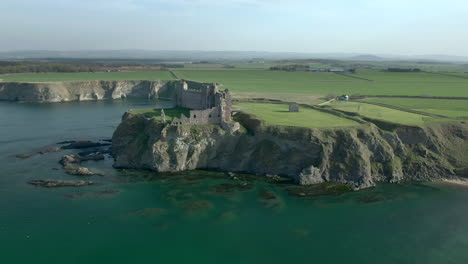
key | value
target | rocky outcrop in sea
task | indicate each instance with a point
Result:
(361, 156)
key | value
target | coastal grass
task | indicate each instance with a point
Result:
(450, 108)
(170, 113)
(87, 76)
(384, 113)
(278, 114)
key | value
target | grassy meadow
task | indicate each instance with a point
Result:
(278, 114)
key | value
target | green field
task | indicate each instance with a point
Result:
(278, 114)
(156, 113)
(310, 88)
(274, 81)
(86, 76)
(384, 113)
(450, 108)
(265, 81)
(386, 83)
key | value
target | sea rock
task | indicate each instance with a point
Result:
(84, 145)
(49, 150)
(60, 183)
(71, 164)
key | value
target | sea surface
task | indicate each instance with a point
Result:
(201, 217)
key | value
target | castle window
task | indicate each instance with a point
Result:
(209, 116)
(219, 115)
(194, 116)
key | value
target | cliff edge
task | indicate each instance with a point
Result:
(83, 90)
(362, 156)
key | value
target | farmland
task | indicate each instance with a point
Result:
(86, 76)
(312, 88)
(385, 83)
(265, 81)
(278, 114)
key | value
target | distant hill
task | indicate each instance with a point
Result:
(367, 57)
(187, 56)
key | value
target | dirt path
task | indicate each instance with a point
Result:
(327, 102)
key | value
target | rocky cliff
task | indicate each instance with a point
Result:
(362, 156)
(82, 91)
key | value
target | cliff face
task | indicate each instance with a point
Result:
(361, 155)
(81, 91)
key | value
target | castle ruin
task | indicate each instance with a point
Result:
(208, 104)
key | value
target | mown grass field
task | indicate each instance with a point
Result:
(384, 113)
(450, 108)
(85, 76)
(156, 113)
(278, 114)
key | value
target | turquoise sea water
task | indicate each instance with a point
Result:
(201, 217)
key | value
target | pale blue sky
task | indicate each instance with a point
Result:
(365, 26)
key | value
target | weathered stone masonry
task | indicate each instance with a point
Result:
(210, 105)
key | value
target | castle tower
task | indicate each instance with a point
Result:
(163, 116)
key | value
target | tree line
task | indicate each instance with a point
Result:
(403, 70)
(293, 67)
(42, 67)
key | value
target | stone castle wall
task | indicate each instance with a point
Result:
(209, 105)
(195, 95)
(200, 117)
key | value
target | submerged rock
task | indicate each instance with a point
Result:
(147, 212)
(104, 193)
(319, 189)
(270, 200)
(24, 156)
(232, 187)
(197, 207)
(60, 183)
(228, 216)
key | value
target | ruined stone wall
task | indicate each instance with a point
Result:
(208, 104)
(195, 95)
(200, 117)
(191, 99)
